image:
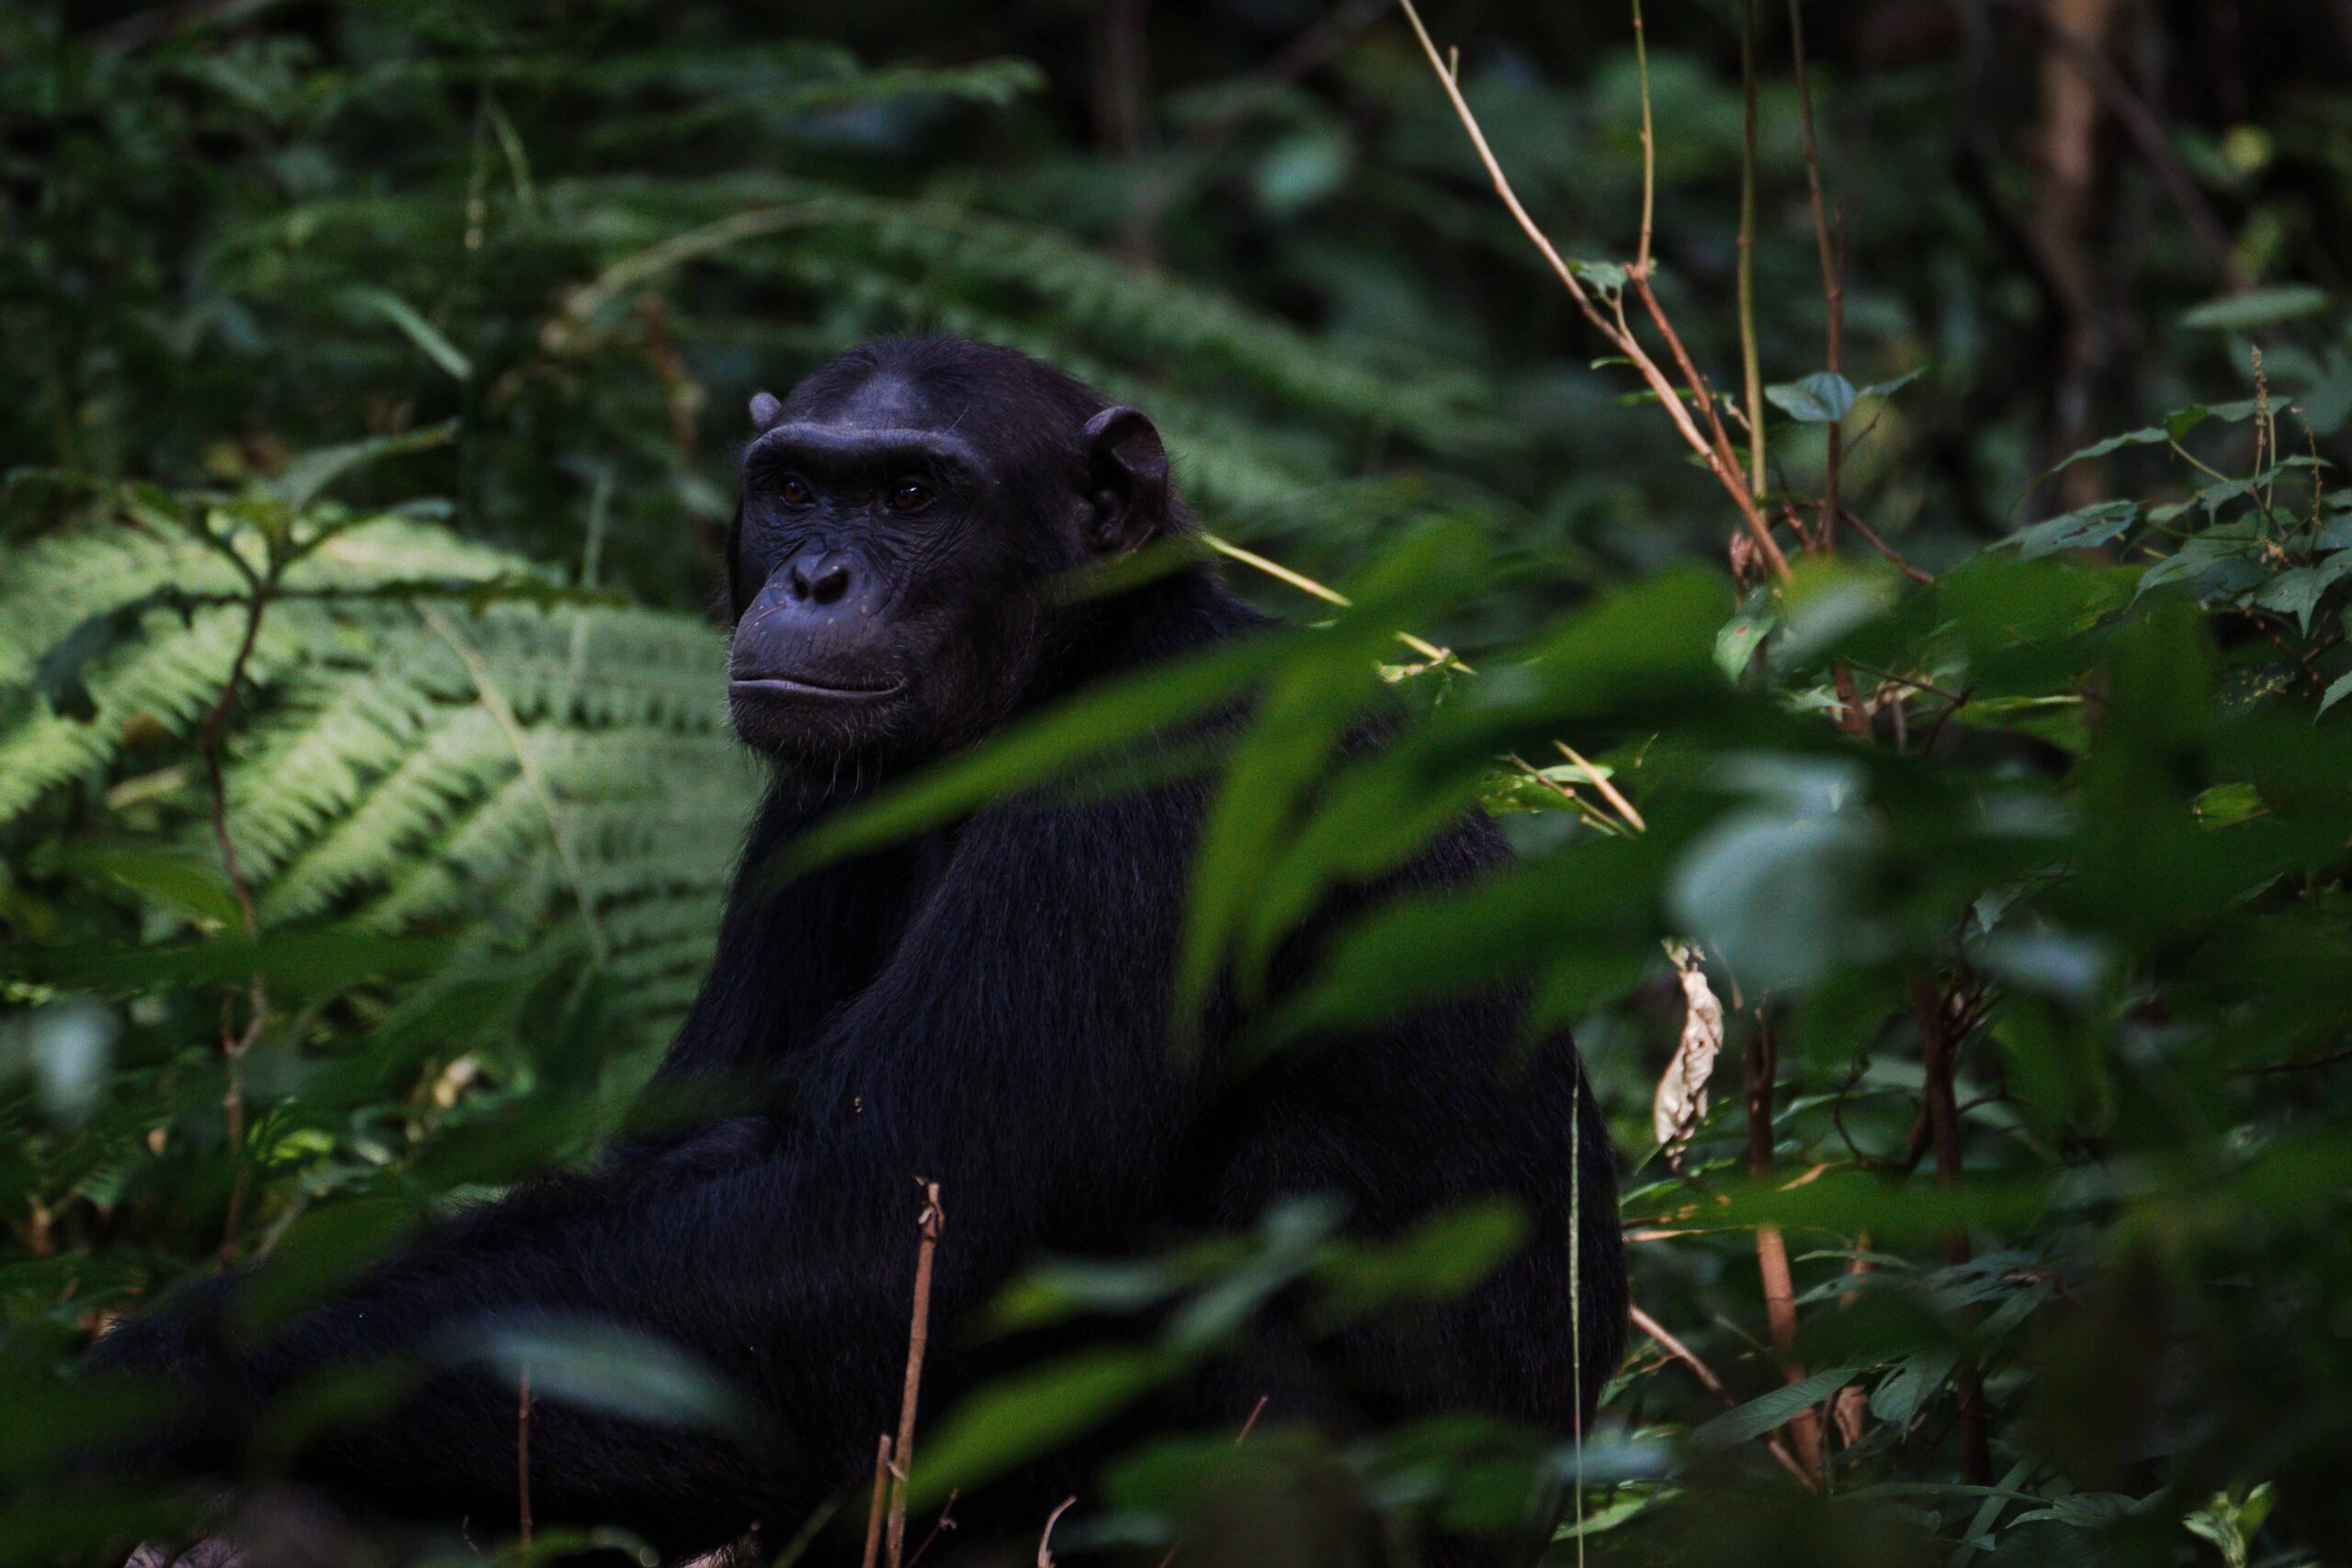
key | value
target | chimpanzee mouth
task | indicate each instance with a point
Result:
(807, 686)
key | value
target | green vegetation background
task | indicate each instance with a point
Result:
(402, 347)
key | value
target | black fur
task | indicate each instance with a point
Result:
(985, 1007)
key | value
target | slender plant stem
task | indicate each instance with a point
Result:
(876, 1509)
(1750, 362)
(236, 1043)
(1727, 473)
(917, 1338)
(1829, 238)
(1649, 144)
(1760, 1067)
(523, 1455)
(1677, 1350)
(1939, 1055)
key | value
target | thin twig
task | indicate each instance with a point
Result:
(946, 1521)
(1609, 792)
(1831, 243)
(1869, 537)
(1649, 144)
(1676, 1350)
(1702, 393)
(1750, 361)
(523, 1454)
(874, 1509)
(1045, 1548)
(1726, 474)
(1329, 595)
(931, 1218)
(2306, 1065)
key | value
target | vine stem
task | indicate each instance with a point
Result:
(1718, 461)
(236, 1043)
(1750, 361)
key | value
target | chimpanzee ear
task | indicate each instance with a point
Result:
(1126, 481)
(765, 410)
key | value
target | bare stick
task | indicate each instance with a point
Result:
(946, 1521)
(918, 1339)
(1045, 1548)
(1869, 537)
(1677, 1350)
(874, 1509)
(1609, 792)
(523, 1455)
(1702, 394)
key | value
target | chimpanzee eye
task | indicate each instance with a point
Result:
(910, 495)
(795, 490)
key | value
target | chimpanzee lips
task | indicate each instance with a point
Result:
(779, 686)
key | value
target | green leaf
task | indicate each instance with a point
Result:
(1772, 1411)
(2150, 435)
(1030, 1412)
(2085, 528)
(1441, 1257)
(618, 1371)
(1887, 388)
(1610, 278)
(2298, 591)
(420, 331)
(2256, 308)
(307, 477)
(1823, 397)
(1736, 642)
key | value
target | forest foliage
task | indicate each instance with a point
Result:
(1892, 577)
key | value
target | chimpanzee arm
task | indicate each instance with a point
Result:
(1015, 1050)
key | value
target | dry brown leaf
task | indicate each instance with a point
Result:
(1680, 1102)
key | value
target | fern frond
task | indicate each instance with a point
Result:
(399, 755)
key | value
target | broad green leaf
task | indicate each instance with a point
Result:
(613, 1371)
(1823, 397)
(2298, 591)
(2085, 528)
(1773, 1410)
(1026, 1414)
(2256, 308)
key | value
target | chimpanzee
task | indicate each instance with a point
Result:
(987, 1007)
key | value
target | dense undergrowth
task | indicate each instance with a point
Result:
(1956, 922)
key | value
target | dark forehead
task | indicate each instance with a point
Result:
(1009, 405)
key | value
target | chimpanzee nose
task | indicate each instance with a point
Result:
(821, 580)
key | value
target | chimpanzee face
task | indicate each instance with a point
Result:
(902, 518)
